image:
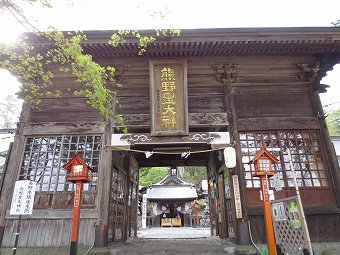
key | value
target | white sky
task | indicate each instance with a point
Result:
(111, 14)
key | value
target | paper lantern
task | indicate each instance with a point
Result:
(230, 157)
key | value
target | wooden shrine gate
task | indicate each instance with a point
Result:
(261, 85)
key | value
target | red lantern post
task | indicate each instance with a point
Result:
(196, 209)
(79, 174)
(263, 161)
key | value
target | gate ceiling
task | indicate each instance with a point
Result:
(191, 150)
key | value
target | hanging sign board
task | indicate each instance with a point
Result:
(277, 182)
(23, 197)
(279, 211)
(144, 211)
(168, 93)
(237, 197)
(294, 214)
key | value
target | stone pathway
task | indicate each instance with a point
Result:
(171, 241)
(174, 233)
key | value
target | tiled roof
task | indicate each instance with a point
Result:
(171, 193)
(219, 42)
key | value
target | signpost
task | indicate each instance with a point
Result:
(263, 161)
(79, 173)
(22, 204)
(279, 211)
(237, 197)
(169, 105)
(144, 211)
(196, 205)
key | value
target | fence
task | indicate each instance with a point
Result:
(289, 231)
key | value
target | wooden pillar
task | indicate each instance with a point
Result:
(223, 209)
(116, 207)
(241, 227)
(103, 192)
(126, 208)
(136, 205)
(211, 205)
(214, 219)
(14, 162)
(129, 214)
(330, 155)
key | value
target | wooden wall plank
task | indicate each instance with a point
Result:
(277, 123)
(47, 232)
(206, 104)
(42, 230)
(273, 104)
(64, 110)
(24, 235)
(8, 238)
(34, 233)
(56, 233)
(83, 229)
(66, 230)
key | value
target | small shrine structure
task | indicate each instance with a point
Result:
(171, 200)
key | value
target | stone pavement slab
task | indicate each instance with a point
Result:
(155, 241)
(174, 233)
(171, 241)
(42, 251)
(205, 246)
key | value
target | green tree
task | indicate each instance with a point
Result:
(194, 175)
(65, 50)
(336, 23)
(152, 175)
(333, 123)
(9, 112)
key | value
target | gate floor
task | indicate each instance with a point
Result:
(171, 241)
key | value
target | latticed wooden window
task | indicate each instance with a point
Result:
(307, 157)
(44, 158)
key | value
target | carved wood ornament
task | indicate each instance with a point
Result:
(308, 71)
(226, 73)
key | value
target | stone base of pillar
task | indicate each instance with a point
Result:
(101, 236)
(242, 233)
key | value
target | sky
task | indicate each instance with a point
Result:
(145, 14)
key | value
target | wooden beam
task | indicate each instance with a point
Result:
(52, 128)
(198, 119)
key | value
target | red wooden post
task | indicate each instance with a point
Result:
(76, 216)
(78, 175)
(263, 161)
(196, 208)
(268, 221)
